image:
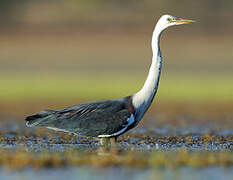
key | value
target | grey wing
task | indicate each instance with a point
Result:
(93, 119)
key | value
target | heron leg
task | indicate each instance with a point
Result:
(113, 140)
(105, 141)
(108, 141)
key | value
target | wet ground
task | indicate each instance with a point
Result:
(163, 138)
(178, 143)
(144, 153)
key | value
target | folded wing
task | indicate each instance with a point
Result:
(89, 119)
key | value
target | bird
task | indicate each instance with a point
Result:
(108, 119)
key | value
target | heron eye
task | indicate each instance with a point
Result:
(169, 19)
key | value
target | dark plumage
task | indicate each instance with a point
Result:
(89, 119)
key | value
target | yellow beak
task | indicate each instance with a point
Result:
(183, 21)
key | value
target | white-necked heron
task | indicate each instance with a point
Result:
(110, 118)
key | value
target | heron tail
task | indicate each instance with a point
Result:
(40, 119)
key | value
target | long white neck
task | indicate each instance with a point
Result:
(143, 98)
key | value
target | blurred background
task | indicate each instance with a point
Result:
(58, 53)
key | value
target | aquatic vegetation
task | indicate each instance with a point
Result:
(39, 148)
(140, 138)
(177, 136)
(21, 158)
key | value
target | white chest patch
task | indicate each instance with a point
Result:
(130, 121)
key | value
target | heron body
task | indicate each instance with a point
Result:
(110, 118)
(96, 119)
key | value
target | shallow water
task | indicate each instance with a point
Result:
(163, 138)
(116, 173)
(153, 142)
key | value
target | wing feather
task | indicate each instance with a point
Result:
(93, 119)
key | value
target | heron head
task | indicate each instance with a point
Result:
(168, 20)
